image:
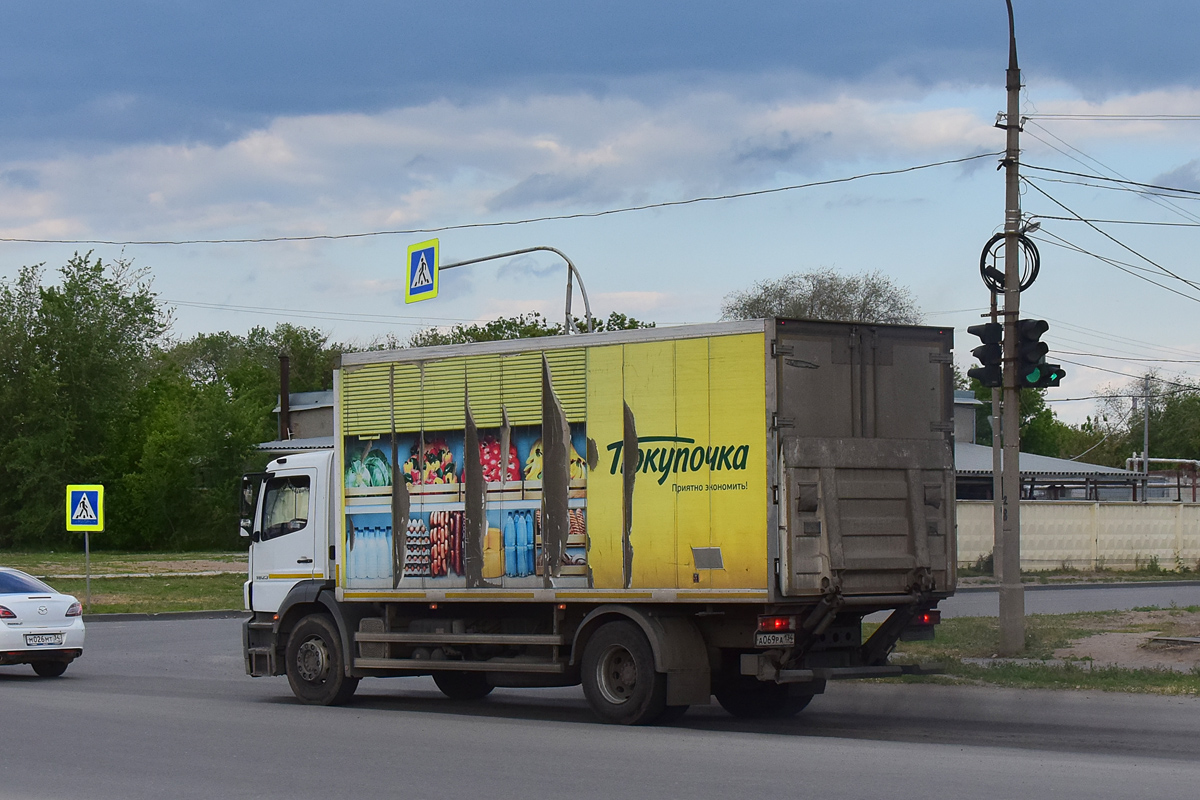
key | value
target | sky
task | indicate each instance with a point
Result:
(149, 121)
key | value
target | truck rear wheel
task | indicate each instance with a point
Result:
(619, 680)
(463, 685)
(315, 663)
(749, 698)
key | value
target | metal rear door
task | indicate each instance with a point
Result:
(866, 458)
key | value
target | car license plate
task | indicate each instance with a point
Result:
(774, 639)
(43, 639)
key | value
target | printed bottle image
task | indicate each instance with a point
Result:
(510, 546)
(526, 543)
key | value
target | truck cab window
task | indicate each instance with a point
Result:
(285, 508)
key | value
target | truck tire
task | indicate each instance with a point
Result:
(749, 698)
(315, 663)
(50, 669)
(671, 714)
(619, 680)
(463, 685)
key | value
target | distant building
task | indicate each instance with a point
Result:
(309, 425)
(1042, 477)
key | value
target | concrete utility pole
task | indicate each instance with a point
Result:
(997, 469)
(1146, 438)
(1012, 593)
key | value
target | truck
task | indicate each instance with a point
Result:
(662, 515)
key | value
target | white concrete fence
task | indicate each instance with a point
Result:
(1086, 535)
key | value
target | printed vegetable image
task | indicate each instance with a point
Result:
(489, 455)
(371, 470)
(437, 467)
(533, 464)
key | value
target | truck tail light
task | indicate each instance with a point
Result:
(927, 618)
(6, 613)
(776, 624)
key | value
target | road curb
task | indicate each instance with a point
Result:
(166, 615)
(1038, 587)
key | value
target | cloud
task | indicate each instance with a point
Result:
(1185, 176)
(444, 163)
(528, 266)
(542, 188)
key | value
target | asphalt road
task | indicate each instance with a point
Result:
(162, 709)
(1041, 599)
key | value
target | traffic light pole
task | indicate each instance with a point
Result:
(997, 468)
(1012, 593)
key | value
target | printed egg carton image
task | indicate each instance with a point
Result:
(417, 558)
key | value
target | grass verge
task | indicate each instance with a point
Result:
(49, 564)
(979, 638)
(152, 595)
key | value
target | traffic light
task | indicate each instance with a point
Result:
(1043, 375)
(990, 354)
(1032, 370)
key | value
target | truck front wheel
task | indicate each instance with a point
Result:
(747, 697)
(619, 678)
(315, 663)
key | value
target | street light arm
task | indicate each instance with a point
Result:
(572, 272)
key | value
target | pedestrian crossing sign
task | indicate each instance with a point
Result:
(85, 507)
(422, 273)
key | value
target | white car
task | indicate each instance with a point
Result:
(38, 626)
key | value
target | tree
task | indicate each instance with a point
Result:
(205, 407)
(522, 326)
(826, 295)
(1174, 411)
(1042, 433)
(72, 357)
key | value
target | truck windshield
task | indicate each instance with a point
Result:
(285, 508)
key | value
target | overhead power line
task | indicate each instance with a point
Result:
(1124, 340)
(1161, 202)
(1184, 386)
(506, 223)
(1113, 180)
(1133, 358)
(1112, 238)
(1090, 220)
(332, 316)
(1129, 189)
(1120, 117)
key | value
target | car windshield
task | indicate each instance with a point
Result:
(18, 583)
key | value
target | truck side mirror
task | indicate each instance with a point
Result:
(251, 486)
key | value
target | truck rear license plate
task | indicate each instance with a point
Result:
(43, 639)
(774, 639)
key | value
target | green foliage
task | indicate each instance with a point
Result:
(522, 326)
(93, 392)
(72, 356)
(827, 295)
(1041, 431)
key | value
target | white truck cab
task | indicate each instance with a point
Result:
(289, 528)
